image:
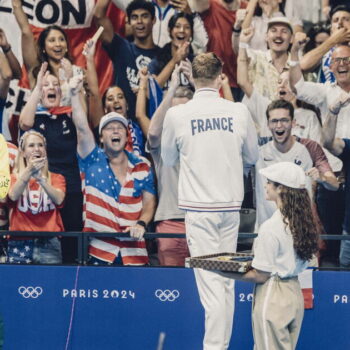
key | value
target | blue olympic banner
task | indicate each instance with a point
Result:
(126, 308)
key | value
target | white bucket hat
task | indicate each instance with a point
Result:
(285, 173)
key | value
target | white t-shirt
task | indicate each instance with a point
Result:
(274, 251)
(324, 95)
(306, 123)
(304, 152)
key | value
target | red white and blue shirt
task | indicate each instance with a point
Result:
(111, 207)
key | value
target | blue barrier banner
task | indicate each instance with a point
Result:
(126, 308)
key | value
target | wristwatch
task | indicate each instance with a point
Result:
(141, 223)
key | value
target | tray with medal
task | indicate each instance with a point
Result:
(233, 262)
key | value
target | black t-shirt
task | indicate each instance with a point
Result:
(334, 3)
(61, 138)
(127, 60)
(161, 60)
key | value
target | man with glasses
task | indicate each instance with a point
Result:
(340, 34)
(284, 147)
(324, 95)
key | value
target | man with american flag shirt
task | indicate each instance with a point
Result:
(118, 187)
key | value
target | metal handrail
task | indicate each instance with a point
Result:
(83, 237)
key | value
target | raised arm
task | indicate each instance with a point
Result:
(101, 18)
(180, 55)
(29, 53)
(329, 141)
(86, 141)
(295, 73)
(243, 62)
(237, 28)
(11, 58)
(156, 125)
(5, 76)
(250, 14)
(326, 8)
(226, 88)
(312, 58)
(141, 101)
(27, 116)
(200, 5)
(95, 102)
(200, 35)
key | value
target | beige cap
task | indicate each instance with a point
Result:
(280, 20)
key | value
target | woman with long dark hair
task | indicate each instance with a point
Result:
(51, 46)
(285, 244)
(178, 49)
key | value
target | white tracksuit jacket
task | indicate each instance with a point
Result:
(213, 138)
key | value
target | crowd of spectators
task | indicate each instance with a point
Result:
(89, 159)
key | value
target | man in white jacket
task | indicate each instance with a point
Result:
(213, 139)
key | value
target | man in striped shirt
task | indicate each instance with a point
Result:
(118, 188)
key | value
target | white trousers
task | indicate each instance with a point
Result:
(211, 233)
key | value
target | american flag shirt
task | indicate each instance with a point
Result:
(110, 207)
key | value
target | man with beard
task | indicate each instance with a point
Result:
(219, 17)
(284, 147)
(266, 67)
(129, 57)
(306, 123)
(323, 96)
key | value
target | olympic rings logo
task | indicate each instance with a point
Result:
(30, 292)
(167, 295)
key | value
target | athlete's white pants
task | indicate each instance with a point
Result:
(211, 233)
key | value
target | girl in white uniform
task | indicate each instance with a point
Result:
(282, 250)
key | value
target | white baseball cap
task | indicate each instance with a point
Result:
(280, 20)
(110, 117)
(285, 173)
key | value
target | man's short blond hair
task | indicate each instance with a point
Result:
(206, 67)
